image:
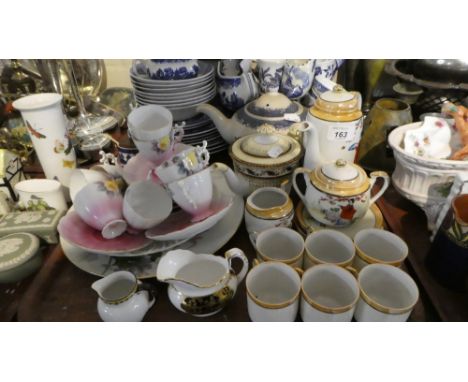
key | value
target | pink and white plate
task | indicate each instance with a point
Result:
(81, 235)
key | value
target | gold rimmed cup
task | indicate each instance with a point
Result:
(280, 244)
(329, 293)
(273, 291)
(377, 246)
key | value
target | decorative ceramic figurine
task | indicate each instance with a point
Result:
(121, 298)
(235, 90)
(271, 112)
(266, 159)
(335, 128)
(297, 78)
(338, 193)
(201, 284)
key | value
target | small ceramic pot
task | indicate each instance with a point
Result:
(171, 69)
(149, 122)
(99, 204)
(329, 294)
(273, 291)
(81, 177)
(41, 191)
(297, 78)
(125, 153)
(387, 294)
(338, 193)
(194, 194)
(122, 298)
(183, 164)
(269, 74)
(378, 246)
(268, 207)
(159, 150)
(329, 247)
(280, 244)
(146, 204)
(20, 256)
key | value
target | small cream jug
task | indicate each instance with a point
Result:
(122, 297)
(200, 284)
(338, 193)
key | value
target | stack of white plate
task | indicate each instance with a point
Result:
(200, 128)
(181, 97)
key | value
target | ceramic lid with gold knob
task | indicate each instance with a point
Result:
(340, 178)
(337, 105)
(266, 150)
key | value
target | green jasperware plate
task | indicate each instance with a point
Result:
(16, 249)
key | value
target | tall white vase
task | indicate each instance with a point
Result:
(47, 126)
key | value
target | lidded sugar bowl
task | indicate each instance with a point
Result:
(266, 160)
(338, 193)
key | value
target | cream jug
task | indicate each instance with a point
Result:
(200, 284)
(335, 127)
(122, 297)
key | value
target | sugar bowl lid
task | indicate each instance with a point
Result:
(340, 178)
(266, 149)
(16, 249)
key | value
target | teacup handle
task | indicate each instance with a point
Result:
(373, 177)
(297, 171)
(238, 253)
(178, 132)
(203, 153)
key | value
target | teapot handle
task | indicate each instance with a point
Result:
(238, 253)
(373, 177)
(297, 171)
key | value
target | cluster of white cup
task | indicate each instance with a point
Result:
(341, 278)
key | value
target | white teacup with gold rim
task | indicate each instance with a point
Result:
(378, 246)
(273, 291)
(329, 247)
(280, 244)
(329, 293)
(387, 294)
(268, 207)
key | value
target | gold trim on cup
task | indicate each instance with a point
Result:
(372, 260)
(384, 309)
(273, 212)
(265, 258)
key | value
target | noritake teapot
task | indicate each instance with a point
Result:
(338, 193)
(270, 113)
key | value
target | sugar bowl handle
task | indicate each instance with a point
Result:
(238, 253)
(373, 177)
(297, 171)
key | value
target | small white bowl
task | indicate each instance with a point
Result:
(149, 122)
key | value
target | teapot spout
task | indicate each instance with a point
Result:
(237, 184)
(222, 123)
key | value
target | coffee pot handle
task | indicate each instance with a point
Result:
(297, 171)
(373, 177)
(238, 253)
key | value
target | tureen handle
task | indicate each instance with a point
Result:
(373, 177)
(297, 171)
(238, 253)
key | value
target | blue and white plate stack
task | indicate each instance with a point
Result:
(180, 95)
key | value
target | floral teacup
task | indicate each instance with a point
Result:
(183, 164)
(99, 204)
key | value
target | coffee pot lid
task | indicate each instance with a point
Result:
(337, 105)
(340, 178)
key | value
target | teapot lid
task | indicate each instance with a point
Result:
(266, 149)
(337, 105)
(340, 178)
(272, 105)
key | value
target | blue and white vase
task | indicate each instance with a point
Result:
(297, 78)
(269, 74)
